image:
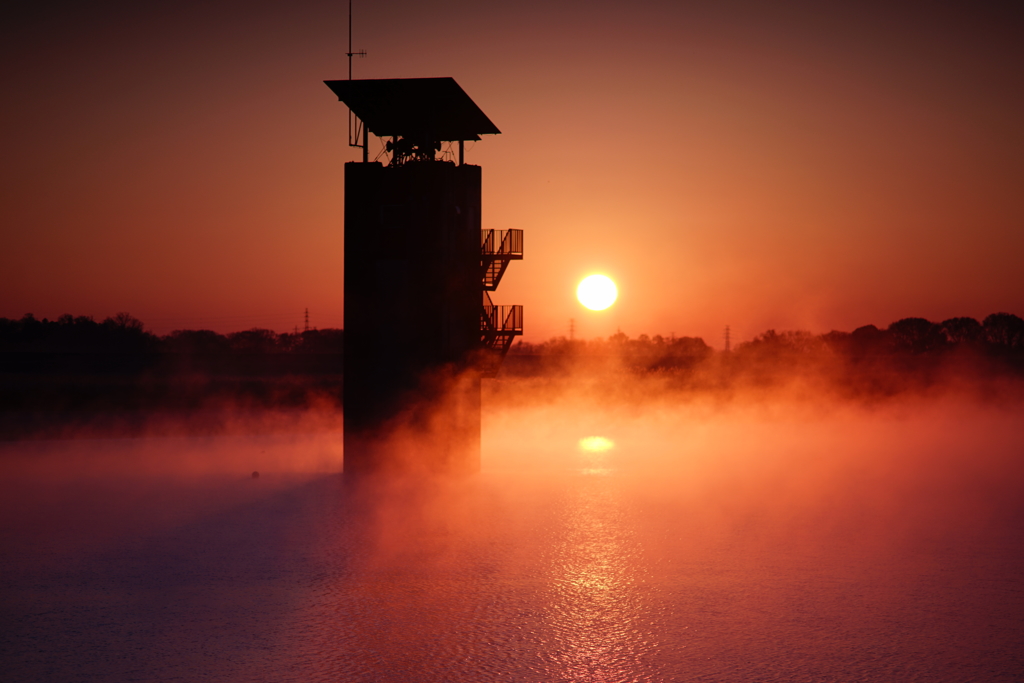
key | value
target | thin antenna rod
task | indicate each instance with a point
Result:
(356, 128)
(350, 53)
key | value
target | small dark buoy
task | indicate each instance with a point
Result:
(255, 475)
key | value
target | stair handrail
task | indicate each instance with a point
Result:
(501, 242)
(487, 241)
(501, 319)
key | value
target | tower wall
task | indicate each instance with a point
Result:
(412, 316)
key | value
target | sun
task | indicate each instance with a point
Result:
(597, 292)
(596, 444)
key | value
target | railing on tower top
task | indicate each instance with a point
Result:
(506, 243)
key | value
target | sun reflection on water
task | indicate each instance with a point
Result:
(595, 455)
(596, 602)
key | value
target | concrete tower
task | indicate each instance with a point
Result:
(420, 328)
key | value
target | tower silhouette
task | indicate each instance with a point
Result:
(420, 327)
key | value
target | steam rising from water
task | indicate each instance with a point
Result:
(616, 533)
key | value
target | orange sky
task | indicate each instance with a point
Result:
(726, 163)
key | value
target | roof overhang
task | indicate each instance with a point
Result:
(419, 108)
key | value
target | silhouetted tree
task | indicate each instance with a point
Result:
(789, 342)
(917, 335)
(313, 341)
(254, 340)
(124, 333)
(962, 330)
(866, 332)
(68, 334)
(836, 341)
(195, 342)
(124, 321)
(688, 347)
(1004, 330)
(618, 338)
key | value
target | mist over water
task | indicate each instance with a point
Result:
(616, 533)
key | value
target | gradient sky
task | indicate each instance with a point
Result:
(759, 165)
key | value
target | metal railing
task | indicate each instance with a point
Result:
(501, 243)
(501, 319)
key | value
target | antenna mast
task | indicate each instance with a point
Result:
(356, 128)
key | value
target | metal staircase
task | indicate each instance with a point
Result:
(497, 249)
(499, 325)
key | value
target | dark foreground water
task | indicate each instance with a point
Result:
(681, 545)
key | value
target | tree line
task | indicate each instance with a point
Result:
(999, 334)
(999, 337)
(123, 333)
(77, 373)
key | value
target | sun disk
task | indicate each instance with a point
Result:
(597, 292)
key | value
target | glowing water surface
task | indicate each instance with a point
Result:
(682, 546)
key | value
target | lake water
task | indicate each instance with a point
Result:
(664, 544)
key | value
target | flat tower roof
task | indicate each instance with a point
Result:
(424, 108)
